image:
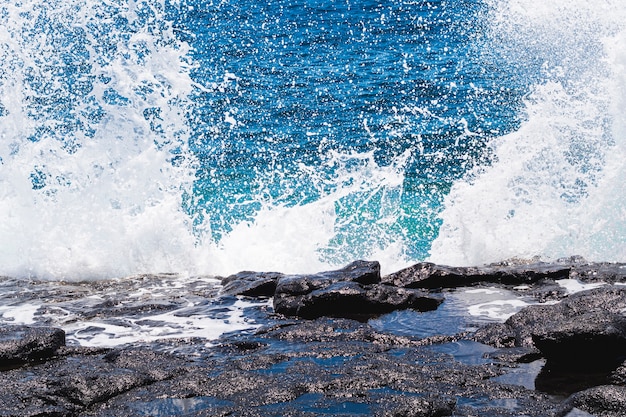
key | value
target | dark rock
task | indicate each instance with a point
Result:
(618, 376)
(515, 355)
(595, 340)
(331, 367)
(21, 344)
(583, 339)
(429, 275)
(251, 284)
(408, 406)
(602, 401)
(362, 272)
(599, 272)
(499, 335)
(350, 292)
(79, 379)
(544, 291)
(563, 382)
(336, 366)
(588, 329)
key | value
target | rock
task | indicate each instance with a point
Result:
(350, 299)
(80, 378)
(599, 272)
(331, 366)
(594, 340)
(618, 376)
(251, 284)
(21, 344)
(429, 275)
(326, 367)
(602, 401)
(407, 406)
(587, 329)
(362, 272)
(353, 291)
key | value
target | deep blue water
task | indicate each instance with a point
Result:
(308, 78)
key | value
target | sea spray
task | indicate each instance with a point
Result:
(210, 137)
(93, 161)
(556, 185)
(354, 218)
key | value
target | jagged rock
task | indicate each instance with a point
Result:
(599, 271)
(362, 272)
(429, 275)
(327, 365)
(21, 344)
(350, 292)
(349, 299)
(81, 378)
(587, 329)
(602, 401)
(251, 284)
(415, 406)
(618, 376)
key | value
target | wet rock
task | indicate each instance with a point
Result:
(79, 379)
(602, 401)
(327, 367)
(21, 344)
(353, 291)
(251, 284)
(587, 329)
(409, 406)
(350, 299)
(296, 368)
(339, 366)
(429, 275)
(618, 376)
(361, 272)
(499, 335)
(599, 272)
(595, 340)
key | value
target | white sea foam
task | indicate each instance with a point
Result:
(490, 304)
(557, 185)
(92, 109)
(573, 286)
(139, 309)
(20, 313)
(150, 328)
(327, 233)
(497, 309)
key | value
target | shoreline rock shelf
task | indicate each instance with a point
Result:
(317, 354)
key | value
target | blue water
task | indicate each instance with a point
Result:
(208, 137)
(312, 78)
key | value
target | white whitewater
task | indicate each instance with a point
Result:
(94, 169)
(95, 103)
(92, 110)
(557, 185)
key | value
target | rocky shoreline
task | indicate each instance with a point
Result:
(319, 355)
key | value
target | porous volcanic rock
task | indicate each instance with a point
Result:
(337, 366)
(251, 284)
(511, 273)
(21, 344)
(585, 330)
(354, 291)
(601, 401)
(429, 275)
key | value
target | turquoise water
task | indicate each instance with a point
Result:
(312, 94)
(207, 137)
